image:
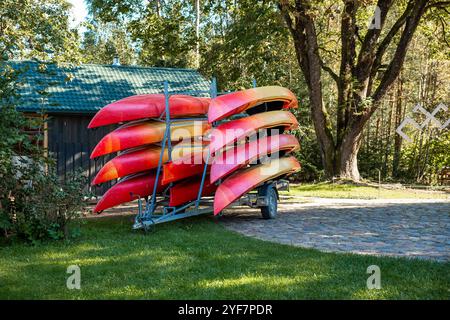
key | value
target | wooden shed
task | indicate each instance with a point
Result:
(70, 96)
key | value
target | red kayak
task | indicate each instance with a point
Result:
(144, 133)
(231, 131)
(128, 190)
(149, 106)
(184, 167)
(177, 171)
(263, 98)
(130, 163)
(186, 191)
(245, 180)
(235, 158)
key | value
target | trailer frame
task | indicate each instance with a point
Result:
(148, 216)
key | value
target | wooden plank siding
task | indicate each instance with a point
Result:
(70, 142)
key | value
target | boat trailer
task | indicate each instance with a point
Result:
(264, 197)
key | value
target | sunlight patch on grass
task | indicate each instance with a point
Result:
(371, 294)
(348, 191)
(245, 280)
(130, 291)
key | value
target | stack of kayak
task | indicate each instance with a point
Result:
(242, 144)
(138, 142)
(238, 160)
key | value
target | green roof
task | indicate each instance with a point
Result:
(89, 87)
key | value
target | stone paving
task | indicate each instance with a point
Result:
(413, 228)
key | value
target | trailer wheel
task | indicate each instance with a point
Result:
(269, 211)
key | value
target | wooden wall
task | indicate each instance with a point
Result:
(70, 142)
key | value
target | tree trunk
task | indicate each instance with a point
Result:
(356, 75)
(346, 161)
(197, 34)
(398, 120)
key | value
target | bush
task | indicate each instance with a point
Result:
(34, 204)
(45, 208)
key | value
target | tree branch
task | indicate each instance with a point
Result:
(346, 71)
(284, 8)
(396, 63)
(307, 50)
(348, 35)
(329, 71)
(444, 33)
(438, 4)
(298, 34)
(367, 54)
(386, 42)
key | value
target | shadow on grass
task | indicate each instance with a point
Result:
(198, 259)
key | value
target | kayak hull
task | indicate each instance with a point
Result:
(237, 157)
(183, 167)
(229, 132)
(172, 172)
(226, 105)
(248, 179)
(128, 190)
(148, 132)
(149, 106)
(187, 191)
(141, 160)
(130, 163)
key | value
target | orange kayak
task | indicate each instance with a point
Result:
(248, 179)
(136, 135)
(186, 191)
(128, 190)
(149, 106)
(232, 131)
(178, 170)
(141, 160)
(237, 157)
(268, 98)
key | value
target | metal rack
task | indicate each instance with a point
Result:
(148, 216)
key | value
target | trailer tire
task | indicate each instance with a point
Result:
(268, 191)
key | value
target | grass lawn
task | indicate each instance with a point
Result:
(199, 259)
(349, 191)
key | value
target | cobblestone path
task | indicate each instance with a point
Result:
(401, 227)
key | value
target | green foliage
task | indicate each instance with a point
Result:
(162, 32)
(242, 40)
(41, 207)
(114, 10)
(37, 29)
(309, 153)
(252, 44)
(425, 163)
(165, 38)
(425, 80)
(34, 205)
(102, 42)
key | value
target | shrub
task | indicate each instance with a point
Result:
(45, 208)
(34, 204)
